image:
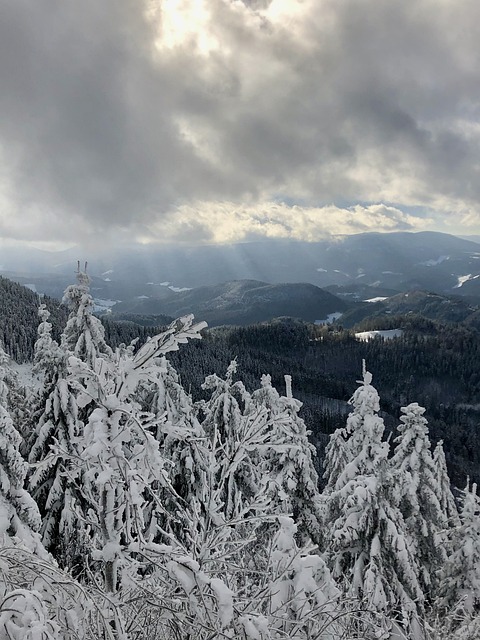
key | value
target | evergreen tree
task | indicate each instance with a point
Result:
(367, 545)
(419, 492)
(336, 458)
(84, 334)
(179, 434)
(289, 460)
(235, 438)
(52, 447)
(304, 596)
(444, 495)
(460, 575)
(19, 516)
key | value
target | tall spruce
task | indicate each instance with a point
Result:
(367, 546)
(444, 495)
(460, 574)
(52, 447)
(289, 460)
(235, 437)
(179, 434)
(19, 515)
(418, 490)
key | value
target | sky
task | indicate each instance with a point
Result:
(228, 120)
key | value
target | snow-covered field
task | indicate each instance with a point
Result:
(386, 335)
(330, 318)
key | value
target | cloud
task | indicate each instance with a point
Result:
(227, 222)
(120, 116)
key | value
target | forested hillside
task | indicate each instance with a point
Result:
(434, 363)
(129, 512)
(19, 318)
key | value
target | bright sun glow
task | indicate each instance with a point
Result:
(186, 21)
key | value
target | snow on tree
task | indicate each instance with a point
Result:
(234, 438)
(367, 544)
(418, 494)
(84, 334)
(120, 458)
(178, 433)
(460, 575)
(19, 516)
(336, 458)
(282, 591)
(293, 478)
(303, 595)
(358, 448)
(51, 449)
(39, 601)
(24, 616)
(444, 495)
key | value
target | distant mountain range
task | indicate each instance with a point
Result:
(239, 302)
(163, 279)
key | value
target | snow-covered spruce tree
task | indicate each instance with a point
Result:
(44, 368)
(444, 495)
(178, 432)
(19, 516)
(418, 493)
(234, 439)
(459, 588)
(367, 545)
(52, 446)
(336, 458)
(14, 397)
(229, 507)
(120, 459)
(84, 335)
(288, 460)
(348, 457)
(37, 600)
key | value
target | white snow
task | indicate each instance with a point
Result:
(365, 336)
(171, 286)
(26, 376)
(330, 318)
(322, 270)
(106, 273)
(143, 297)
(433, 263)
(103, 305)
(224, 597)
(377, 299)
(179, 289)
(463, 279)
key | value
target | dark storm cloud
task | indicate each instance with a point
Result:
(321, 101)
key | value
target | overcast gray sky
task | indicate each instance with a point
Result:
(223, 120)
